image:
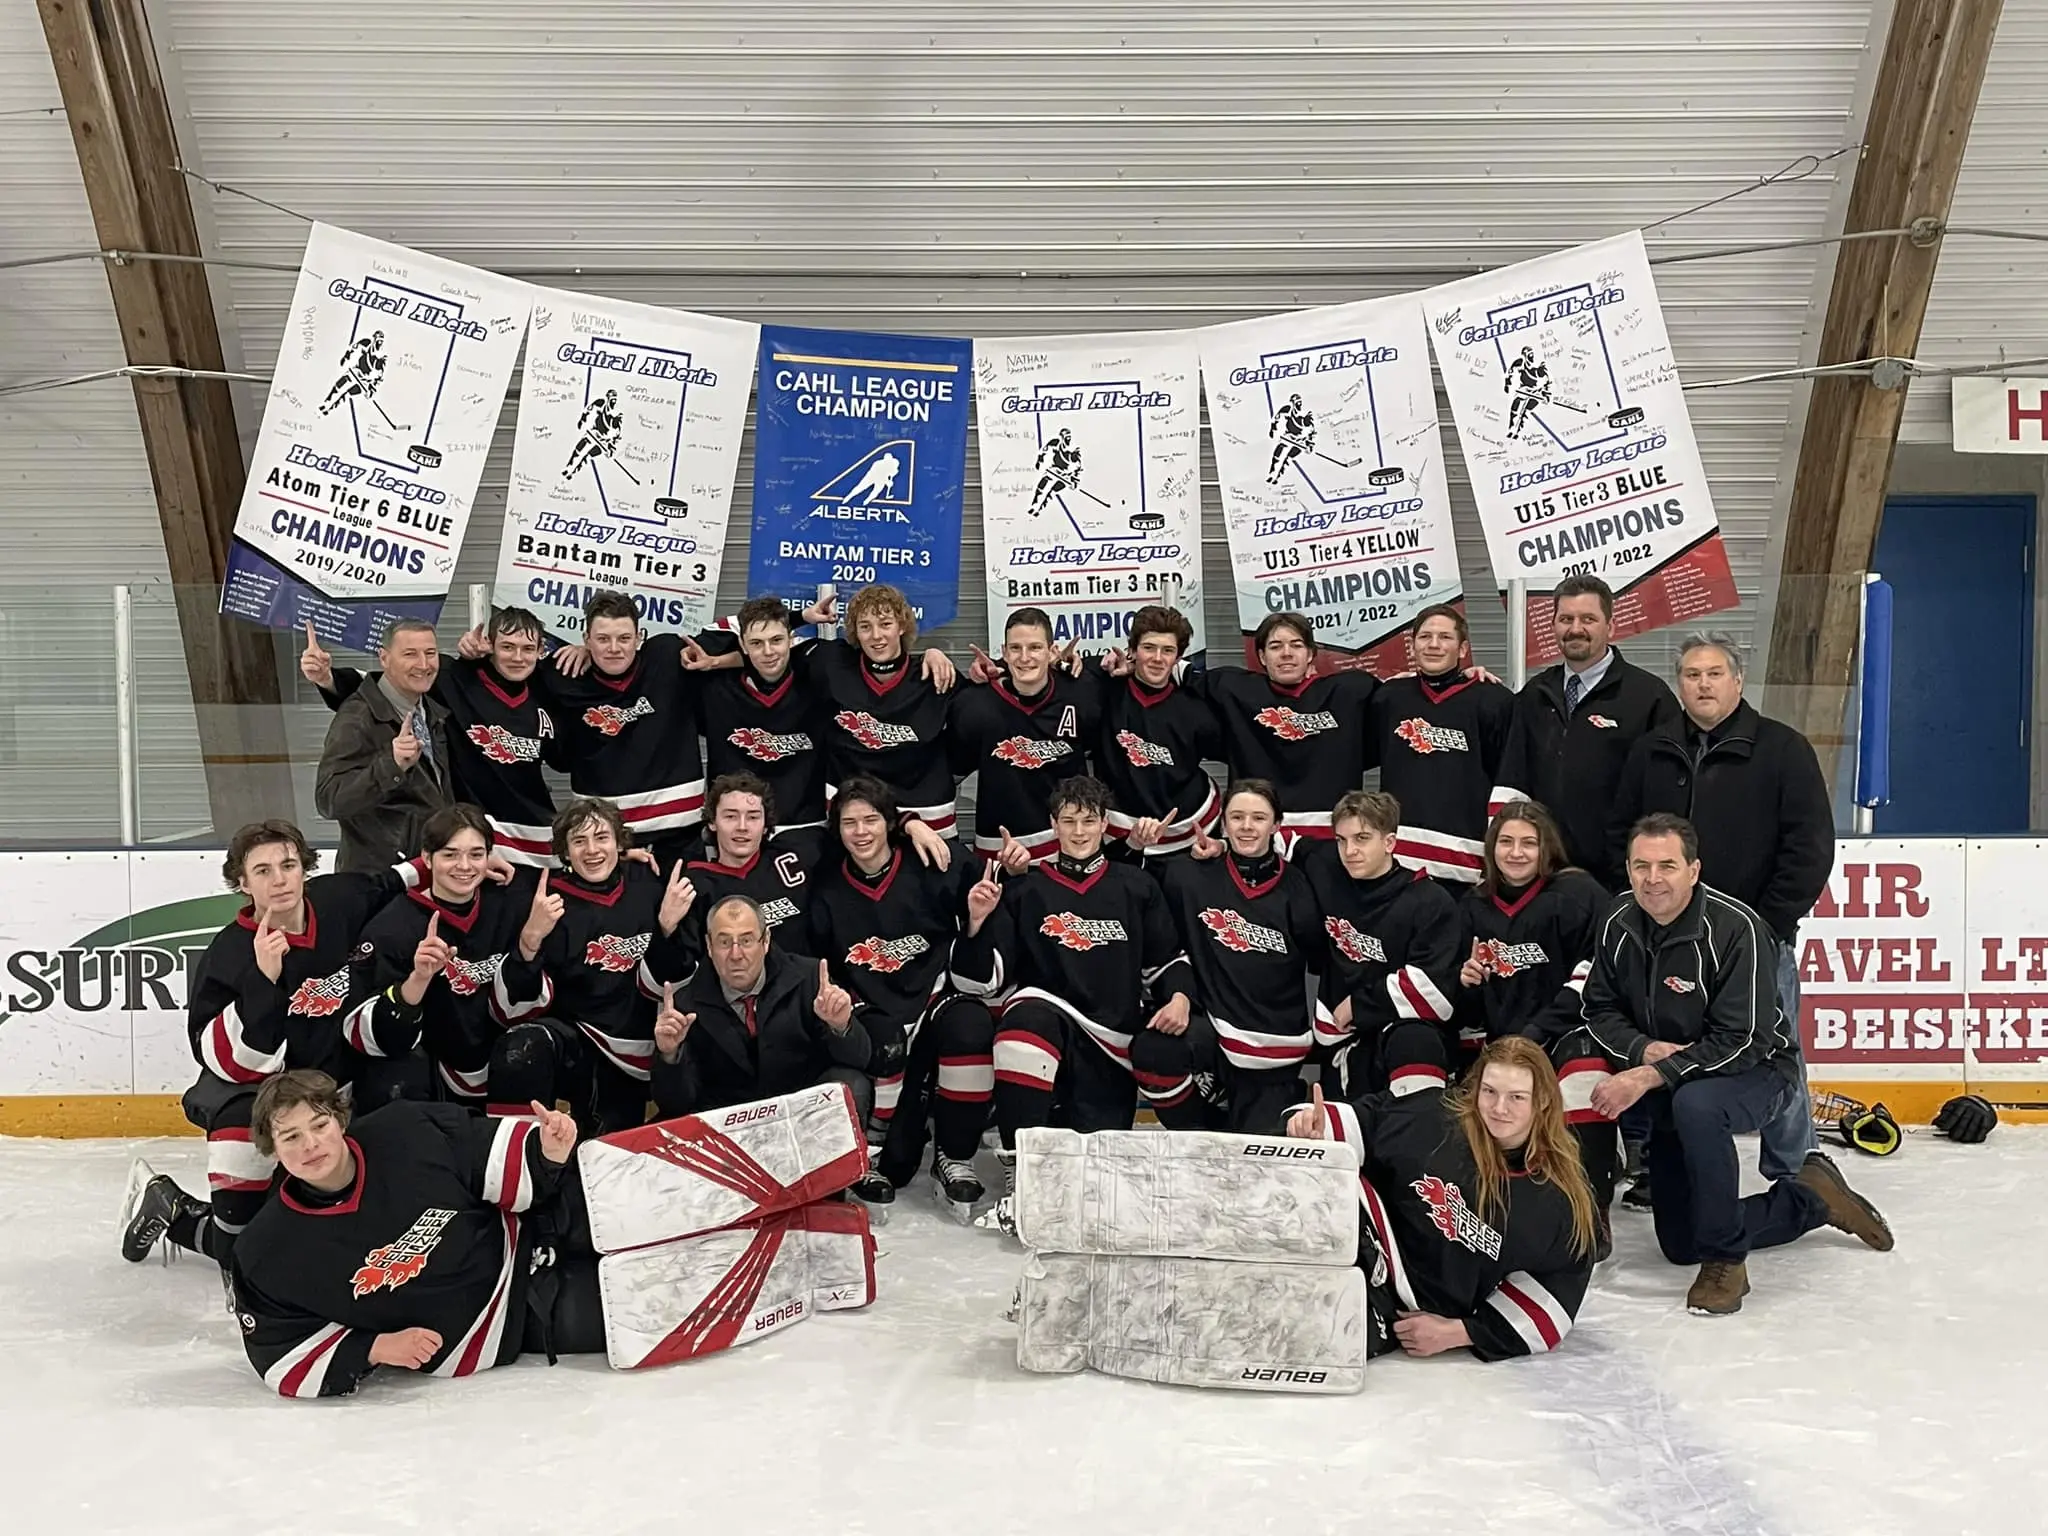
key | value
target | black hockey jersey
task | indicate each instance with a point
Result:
(501, 734)
(606, 959)
(1536, 948)
(1440, 742)
(244, 1027)
(770, 732)
(429, 1236)
(1391, 946)
(776, 878)
(1253, 932)
(1096, 941)
(1150, 752)
(484, 988)
(888, 939)
(633, 739)
(1021, 748)
(891, 725)
(1313, 741)
(1512, 1278)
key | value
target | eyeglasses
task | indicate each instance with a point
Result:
(738, 941)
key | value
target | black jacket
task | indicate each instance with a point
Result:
(1767, 829)
(1708, 982)
(721, 1064)
(379, 806)
(1572, 766)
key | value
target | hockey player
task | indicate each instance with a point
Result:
(499, 729)
(441, 968)
(1479, 1231)
(1529, 930)
(362, 370)
(1390, 963)
(1252, 933)
(606, 934)
(1023, 731)
(1440, 736)
(597, 433)
(1154, 738)
(1294, 431)
(759, 1021)
(409, 1239)
(1528, 386)
(1060, 464)
(265, 998)
(746, 858)
(762, 718)
(1082, 955)
(885, 924)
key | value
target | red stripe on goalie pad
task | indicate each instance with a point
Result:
(698, 1295)
(677, 1178)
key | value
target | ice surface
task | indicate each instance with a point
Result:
(1855, 1391)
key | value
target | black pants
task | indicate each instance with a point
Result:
(939, 1069)
(1042, 1053)
(1167, 1066)
(1402, 1057)
(564, 1307)
(550, 1060)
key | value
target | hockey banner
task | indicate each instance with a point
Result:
(1090, 480)
(860, 453)
(382, 406)
(1576, 437)
(1332, 467)
(623, 461)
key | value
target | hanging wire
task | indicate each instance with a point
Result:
(1795, 170)
(221, 186)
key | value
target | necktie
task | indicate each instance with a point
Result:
(1574, 690)
(422, 732)
(752, 1028)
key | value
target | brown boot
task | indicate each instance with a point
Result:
(1847, 1211)
(1718, 1289)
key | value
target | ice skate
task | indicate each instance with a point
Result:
(151, 1202)
(1002, 1216)
(876, 1193)
(958, 1186)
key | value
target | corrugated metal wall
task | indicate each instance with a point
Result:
(1990, 298)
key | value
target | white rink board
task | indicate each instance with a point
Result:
(1853, 1388)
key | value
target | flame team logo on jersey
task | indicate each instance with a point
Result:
(466, 978)
(1603, 722)
(1424, 737)
(610, 719)
(1023, 752)
(1143, 753)
(501, 746)
(320, 996)
(1351, 944)
(389, 1267)
(1235, 931)
(871, 733)
(1679, 984)
(616, 952)
(1075, 932)
(1497, 957)
(1292, 724)
(1450, 1215)
(767, 747)
(886, 956)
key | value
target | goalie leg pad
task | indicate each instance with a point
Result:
(698, 1295)
(697, 1173)
(1195, 1322)
(1192, 1194)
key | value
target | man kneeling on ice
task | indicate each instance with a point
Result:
(422, 1238)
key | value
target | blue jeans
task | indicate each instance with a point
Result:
(1695, 1180)
(1788, 1136)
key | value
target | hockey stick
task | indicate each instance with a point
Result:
(394, 426)
(1091, 496)
(1341, 463)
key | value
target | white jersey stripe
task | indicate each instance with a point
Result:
(301, 1370)
(506, 1182)
(1250, 1050)
(1024, 1059)
(229, 1055)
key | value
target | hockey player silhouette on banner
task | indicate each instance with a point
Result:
(1528, 381)
(1060, 461)
(1295, 427)
(598, 430)
(880, 480)
(362, 370)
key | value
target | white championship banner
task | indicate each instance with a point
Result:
(683, 1299)
(1575, 433)
(1198, 1194)
(1332, 467)
(382, 406)
(623, 460)
(1195, 1322)
(679, 1177)
(1091, 490)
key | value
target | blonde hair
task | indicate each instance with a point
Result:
(882, 598)
(1551, 1154)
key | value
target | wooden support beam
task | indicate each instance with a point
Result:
(127, 153)
(1920, 114)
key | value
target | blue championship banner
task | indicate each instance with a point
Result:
(860, 452)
